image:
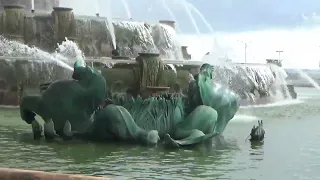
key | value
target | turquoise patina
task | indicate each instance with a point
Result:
(74, 106)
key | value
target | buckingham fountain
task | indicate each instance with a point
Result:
(38, 47)
(106, 79)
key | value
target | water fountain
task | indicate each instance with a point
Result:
(101, 38)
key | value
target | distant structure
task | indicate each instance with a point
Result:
(277, 62)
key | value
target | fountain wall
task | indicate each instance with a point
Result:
(95, 36)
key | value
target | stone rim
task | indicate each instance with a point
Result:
(149, 54)
(167, 21)
(13, 6)
(120, 57)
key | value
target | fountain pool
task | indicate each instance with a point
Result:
(230, 158)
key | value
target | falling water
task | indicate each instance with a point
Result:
(126, 6)
(165, 5)
(109, 25)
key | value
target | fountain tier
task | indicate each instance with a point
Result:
(22, 76)
(93, 34)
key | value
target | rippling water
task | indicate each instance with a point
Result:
(291, 149)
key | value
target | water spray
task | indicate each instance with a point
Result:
(32, 6)
(126, 7)
(165, 5)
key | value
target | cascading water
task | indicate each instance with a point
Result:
(279, 88)
(165, 39)
(134, 37)
(253, 81)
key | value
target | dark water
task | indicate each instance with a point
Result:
(291, 149)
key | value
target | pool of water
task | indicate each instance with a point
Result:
(291, 149)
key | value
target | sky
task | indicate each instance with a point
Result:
(265, 25)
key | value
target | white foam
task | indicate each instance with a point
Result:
(279, 103)
(244, 118)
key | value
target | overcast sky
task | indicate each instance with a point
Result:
(269, 25)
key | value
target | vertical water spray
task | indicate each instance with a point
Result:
(165, 5)
(185, 4)
(308, 78)
(127, 9)
(32, 6)
(109, 25)
(215, 43)
(202, 17)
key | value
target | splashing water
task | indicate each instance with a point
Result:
(165, 5)
(68, 51)
(15, 49)
(172, 68)
(126, 7)
(281, 91)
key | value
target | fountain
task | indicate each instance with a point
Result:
(117, 48)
